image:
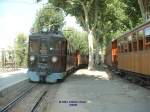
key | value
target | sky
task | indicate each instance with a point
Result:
(17, 16)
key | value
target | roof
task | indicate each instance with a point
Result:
(134, 29)
(53, 34)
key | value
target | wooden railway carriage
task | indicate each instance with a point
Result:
(47, 57)
(132, 52)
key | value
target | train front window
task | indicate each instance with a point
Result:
(54, 46)
(43, 46)
(34, 45)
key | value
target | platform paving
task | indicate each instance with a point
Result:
(92, 91)
(9, 78)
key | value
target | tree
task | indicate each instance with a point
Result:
(50, 17)
(88, 14)
(21, 50)
(120, 16)
(102, 19)
(132, 10)
(77, 40)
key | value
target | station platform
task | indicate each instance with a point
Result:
(98, 91)
(12, 84)
(9, 78)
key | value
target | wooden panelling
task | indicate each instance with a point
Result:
(138, 62)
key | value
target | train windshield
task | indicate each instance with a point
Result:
(34, 45)
(54, 45)
(43, 46)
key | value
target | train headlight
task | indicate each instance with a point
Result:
(44, 29)
(50, 48)
(32, 58)
(54, 59)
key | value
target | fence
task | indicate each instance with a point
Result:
(7, 60)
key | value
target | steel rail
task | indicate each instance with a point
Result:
(38, 101)
(12, 103)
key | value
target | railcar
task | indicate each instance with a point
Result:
(47, 56)
(130, 54)
(49, 60)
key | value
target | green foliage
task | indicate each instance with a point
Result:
(120, 16)
(87, 12)
(49, 16)
(77, 40)
(21, 50)
(107, 18)
(132, 10)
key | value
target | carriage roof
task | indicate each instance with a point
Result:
(51, 34)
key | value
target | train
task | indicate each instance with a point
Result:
(49, 60)
(129, 54)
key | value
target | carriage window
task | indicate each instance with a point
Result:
(140, 39)
(129, 38)
(140, 34)
(140, 45)
(34, 46)
(63, 45)
(43, 46)
(134, 46)
(147, 34)
(130, 47)
(147, 37)
(122, 49)
(119, 49)
(125, 47)
(134, 36)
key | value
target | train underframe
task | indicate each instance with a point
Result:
(137, 78)
(46, 77)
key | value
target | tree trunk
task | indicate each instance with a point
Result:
(91, 50)
(90, 37)
(142, 9)
(97, 56)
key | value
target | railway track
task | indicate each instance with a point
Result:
(34, 109)
(18, 98)
(34, 101)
